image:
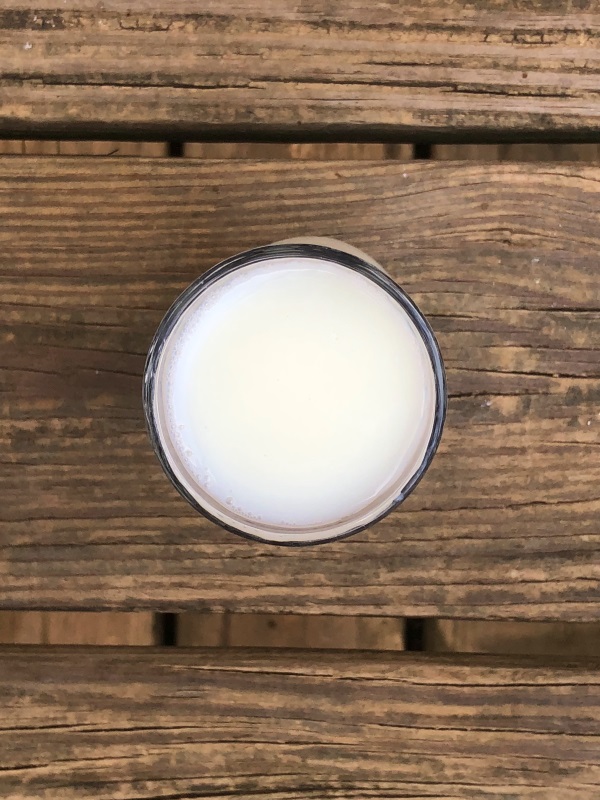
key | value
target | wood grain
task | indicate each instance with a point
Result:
(144, 149)
(326, 151)
(64, 627)
(79, 627)
(38, 147)
(391, 70)
(290, 630)
(535, 638)
(588, 153)
(501, 258)
(153, 723)
(193, 629)
(473, 636)
(11, 147)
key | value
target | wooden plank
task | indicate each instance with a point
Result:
(34, 147)
(63, 627)
(78, 627)
(11, 147)
(518, 152)
(396, 70)
(474, 636)
(535, 638)
(38, 147)
(276, 724)
(505, 524)
(324, 151)
(206, 629)
(143, 149)
(290, 630)
(197, 629)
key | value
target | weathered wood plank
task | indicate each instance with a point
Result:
(12, 147)
(79, 627)
(39, 147)
(473, 636)
(155, 723)
(64, 627)
(501, 257)
(535, 638)
(144, 149)
(198, 629)
(588, 153)
(407, 69)
(290, 630)
(332, 151)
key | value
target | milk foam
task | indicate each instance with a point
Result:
(296, 393)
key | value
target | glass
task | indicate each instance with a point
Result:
(331, 252)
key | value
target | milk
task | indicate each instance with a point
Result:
(295, 400)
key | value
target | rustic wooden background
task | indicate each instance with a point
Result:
(463, 139)
(285, 629)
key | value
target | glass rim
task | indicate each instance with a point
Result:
(277, 251)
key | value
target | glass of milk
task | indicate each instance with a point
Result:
(294, 393)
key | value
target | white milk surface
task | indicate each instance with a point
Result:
(297, 393)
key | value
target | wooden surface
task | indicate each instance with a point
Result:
(63, 627)
(155, 723)
(473, 636)
(397, 70)
(325, 151)
(79, 627)
(506, 522)
(209, 629)
(290, 630)
(37, 147)
(535, 638)
(588, 153)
